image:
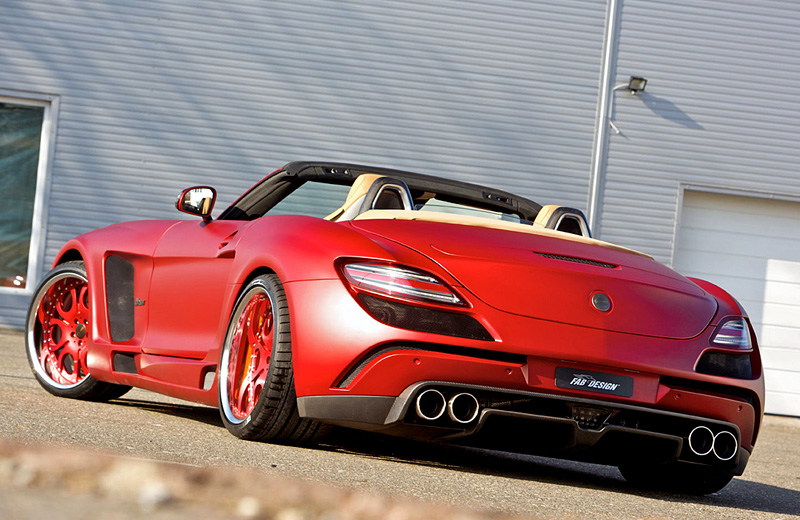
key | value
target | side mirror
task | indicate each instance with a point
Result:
(197, 200)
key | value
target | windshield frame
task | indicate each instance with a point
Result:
(273, 188)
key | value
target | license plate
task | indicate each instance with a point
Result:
(579, 379)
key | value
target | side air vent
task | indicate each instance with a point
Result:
(120, 302)
(577, 260)
(124, 362)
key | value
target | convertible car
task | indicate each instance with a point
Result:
(383, 300)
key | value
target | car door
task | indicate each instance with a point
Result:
(191, 266)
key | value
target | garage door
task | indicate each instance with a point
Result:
(751, 247)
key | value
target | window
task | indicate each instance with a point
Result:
(315, 199)
(24, 143)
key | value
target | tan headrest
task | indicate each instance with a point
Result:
(544, 215)
(356, 194)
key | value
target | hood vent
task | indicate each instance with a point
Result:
(578, 260)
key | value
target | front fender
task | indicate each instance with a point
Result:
(134, 241)
(138, 237)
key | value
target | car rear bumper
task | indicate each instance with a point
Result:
(353, 370)
(591, 430)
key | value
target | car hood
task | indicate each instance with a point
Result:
(552, 276)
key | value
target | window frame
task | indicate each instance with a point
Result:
(36, 251)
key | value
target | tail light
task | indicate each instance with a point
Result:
(400, 282)
(733, 333)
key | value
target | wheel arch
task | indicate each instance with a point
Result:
(255, 273)
(252, 275)
(70, 255)
(278, 420)
(229, 306)
(66, 282)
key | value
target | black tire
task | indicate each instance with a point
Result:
(57, 335)
(257, 398)
(690, 479)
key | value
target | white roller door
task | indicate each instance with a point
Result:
(703, 118)
(751, 247)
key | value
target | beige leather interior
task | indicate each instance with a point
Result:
(360, 188)
(355, 197)
(383, 192)
(470, 220)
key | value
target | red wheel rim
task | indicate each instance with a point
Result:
(250, 353)
(63, 317)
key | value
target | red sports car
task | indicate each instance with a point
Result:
(383, 300)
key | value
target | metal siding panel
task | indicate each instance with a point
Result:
(160, 95)
(722, 108)
(14, 311)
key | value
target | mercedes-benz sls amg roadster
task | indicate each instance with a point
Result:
(395, 302)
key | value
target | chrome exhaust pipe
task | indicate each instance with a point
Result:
(701, 441)
(725, 445)
(463, 408)
(431, 404)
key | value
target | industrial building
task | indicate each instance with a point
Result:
(109, 108)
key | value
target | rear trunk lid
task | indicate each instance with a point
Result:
(552, 276)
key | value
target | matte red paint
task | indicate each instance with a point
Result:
(189, 273)
(504, 270)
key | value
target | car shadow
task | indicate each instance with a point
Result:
(199, 413)
(739, 494)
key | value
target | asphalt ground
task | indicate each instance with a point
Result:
(150, 455)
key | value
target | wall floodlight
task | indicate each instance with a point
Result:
(636, 84)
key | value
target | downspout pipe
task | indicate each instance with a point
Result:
(605, 100)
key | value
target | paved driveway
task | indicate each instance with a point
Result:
(48, 444)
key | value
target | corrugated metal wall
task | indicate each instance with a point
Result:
(159, 95)
(155, 96)
(722, 108)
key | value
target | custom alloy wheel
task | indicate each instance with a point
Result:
(257, 399)
(62, 316)
(249, 354)
(58, 335)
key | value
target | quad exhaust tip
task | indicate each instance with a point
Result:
(462, 408)
(702, 441)
(431, 404)
(725, 445)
